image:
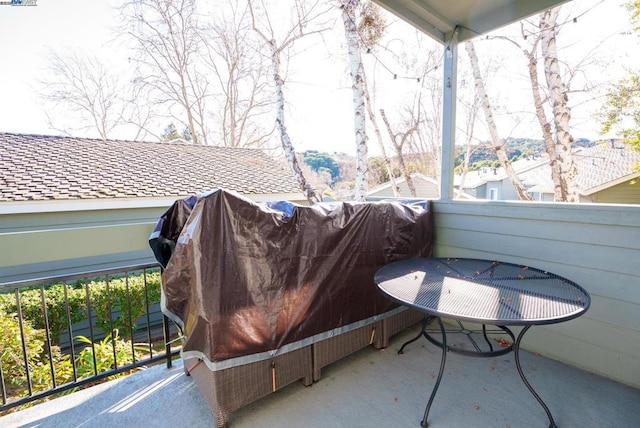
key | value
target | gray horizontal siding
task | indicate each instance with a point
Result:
(597, 246)
(625, 193)
(29, 271)
(38, 245)
(69, 219)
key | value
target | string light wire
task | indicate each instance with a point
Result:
(395, 75)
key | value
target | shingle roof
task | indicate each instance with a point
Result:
(597, 166)
(39, 167)
(604, 163)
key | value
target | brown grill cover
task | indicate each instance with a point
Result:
(245, 278)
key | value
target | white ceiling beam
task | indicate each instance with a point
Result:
(439, 18)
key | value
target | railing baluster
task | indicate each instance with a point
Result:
(93, 347)
(167, 340)
(4, 391)
(85, 287)
(111, 326)
(133, 349)
(47, 333)
(24, 343)
(146, 302)
(70, 330)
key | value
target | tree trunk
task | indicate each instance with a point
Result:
(493, 130)
(465, 169)
(287, 146)
(398, 148)
(545, 126)
(376, 130)
(349, 8)
(561, 111)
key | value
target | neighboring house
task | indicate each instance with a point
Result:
(493, 183)
(605, 175)
(89, 204)
(426, 188)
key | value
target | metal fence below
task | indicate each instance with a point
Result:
(58, 334)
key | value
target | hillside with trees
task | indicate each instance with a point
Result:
(483, 155)
(332, 174)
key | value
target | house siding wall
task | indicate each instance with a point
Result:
(47, 244)
(424, 189)
(625, 193)
(498, 187)
(597, 246)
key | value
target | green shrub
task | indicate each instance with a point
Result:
(102, 301)
(114, 297)
(125, 298)
(13, 365)
(102, 355)
(31, 306)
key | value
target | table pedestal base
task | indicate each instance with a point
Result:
(515, 347)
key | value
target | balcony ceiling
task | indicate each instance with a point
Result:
(438, 18)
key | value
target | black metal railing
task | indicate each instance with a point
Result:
(58, 334)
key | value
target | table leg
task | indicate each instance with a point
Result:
(516, 352)
(425, 320)
(484, 333)
(442, 362)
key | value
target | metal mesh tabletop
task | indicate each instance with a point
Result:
(482, 291)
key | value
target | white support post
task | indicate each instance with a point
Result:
(450, 83)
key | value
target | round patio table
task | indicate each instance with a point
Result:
(485, 292)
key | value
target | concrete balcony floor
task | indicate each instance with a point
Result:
(371, 388)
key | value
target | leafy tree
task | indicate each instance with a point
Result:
(622, 110)
(378, 172)
(622, 107)
(322, 161)
(170, 133)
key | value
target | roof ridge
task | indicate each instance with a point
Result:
(100, 140)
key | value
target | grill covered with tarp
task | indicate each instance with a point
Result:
(242, 278)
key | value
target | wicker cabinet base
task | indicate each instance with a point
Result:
(334, 348)
(396, 323)
(230, 389)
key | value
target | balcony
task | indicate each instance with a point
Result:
(371, 388)
(587, 369)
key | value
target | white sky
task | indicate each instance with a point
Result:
(319, 113)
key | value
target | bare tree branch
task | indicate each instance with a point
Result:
(305, 17)
(493, 130)
(84, 91)
(168, 42)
